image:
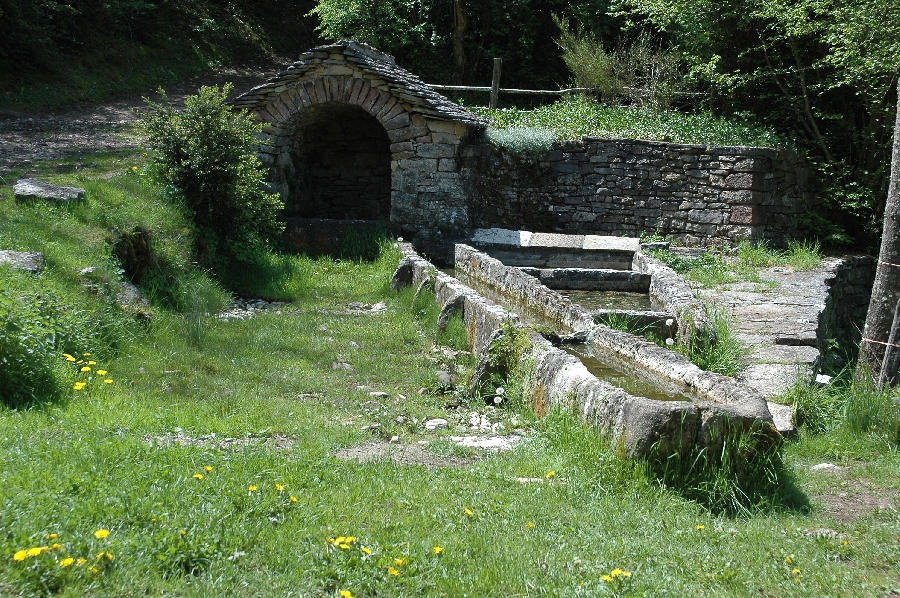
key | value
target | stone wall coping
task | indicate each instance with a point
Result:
(513, 239)
(743, 150)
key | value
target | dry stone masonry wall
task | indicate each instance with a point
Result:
(698, 194)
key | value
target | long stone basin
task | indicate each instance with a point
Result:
(720, 410)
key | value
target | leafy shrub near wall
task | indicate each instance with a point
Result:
(206, 153)
(522, 141)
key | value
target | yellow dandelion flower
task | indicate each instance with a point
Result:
(92, 362)
(550, 474)
(293, 498)
(700, 528)
(134, 168)
(34, 551)
(207, 468)
(350, 539)
(108, 381)
(343, 546)
(345, 594)
(400, 562)
(468, 512)
(198, 476)
(340, 540)
(182, 532)
(329, 540)
(366, 550)
(392, 571)
(55, 546)
(86, 368)
(86, 354)
(251, 488)
(79, 385)
(20, 556)
(607, 578)
(66, 562)
(101, 372)
(796, 580)
(52, 536)
(108, 556)
(437, 550)
(94, 570)
(81, 561)
(279, 487)
(529, 524)
(795, 571)
(788, 560)
(68, 357)
(101, 533)
(845, 543)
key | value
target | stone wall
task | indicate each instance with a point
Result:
(698, 194)
(841, 322)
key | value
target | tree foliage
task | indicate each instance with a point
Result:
(206, 152)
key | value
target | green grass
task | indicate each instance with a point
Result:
(573, 117)
(259, 402)
(743, 263)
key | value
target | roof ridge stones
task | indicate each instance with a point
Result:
(401, 84)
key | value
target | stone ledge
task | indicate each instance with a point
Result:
(27, 190)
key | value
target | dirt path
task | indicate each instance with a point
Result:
(26, 138)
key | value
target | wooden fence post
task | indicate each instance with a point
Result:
(495, 83)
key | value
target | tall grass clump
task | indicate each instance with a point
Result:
(724, 354)
(521, 141)
(206, 155)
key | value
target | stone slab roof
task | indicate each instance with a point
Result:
(328, 59)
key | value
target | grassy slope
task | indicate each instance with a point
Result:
(101, 459)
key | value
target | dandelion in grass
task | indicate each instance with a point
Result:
(21, 555)
(182, 532)
(198, 476)
(437, 550)
(392, 571)
(700, 527)
(795, 571)
(550, 474)
(207, 468)
(86, 354)
(101, 372)
(350, 539)
(68, 357)
(92, 362)
(529, 524)
(101, 533)
(105, 555)
(134, 168)
(36, 551)
(788, 560)
(56, 546)
(52, 536)
(620, 573)
(400, 562)
(94, 570)
(251, 488)
(293, 498)
(345, 594)
(108, 381)
(468, 512)
(279, 487)
(366, 550)
(606, 578)
(79, 385)
(344, 546)
(66, 562)
(81, 561)
(86, 369)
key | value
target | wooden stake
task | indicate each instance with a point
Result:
(495, 83)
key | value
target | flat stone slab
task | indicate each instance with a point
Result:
(35, 190)
(782, 417)
(770, 379)
(29, 261)
(785, 354)
(522, 239)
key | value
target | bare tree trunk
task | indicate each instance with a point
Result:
(886, 290)
(457, 39)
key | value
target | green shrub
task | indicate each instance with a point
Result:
(206, 154)
(521, 141)
(33, 334)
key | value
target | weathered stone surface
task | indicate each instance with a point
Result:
(29, 261)
(35, 190)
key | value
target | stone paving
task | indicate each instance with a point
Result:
(779, 322)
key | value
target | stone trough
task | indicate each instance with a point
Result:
(719, 409)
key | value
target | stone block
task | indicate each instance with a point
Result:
(753, 214)
(436, 150)
(26, 190)
(745, 180)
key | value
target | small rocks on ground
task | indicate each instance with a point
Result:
(379, 395)
(435, 424)
(359, 307)
(827, 467)
(242, 308)
(28, 261)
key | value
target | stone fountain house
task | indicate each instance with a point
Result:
(352, 139)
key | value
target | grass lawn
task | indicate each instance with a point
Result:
(214, 457)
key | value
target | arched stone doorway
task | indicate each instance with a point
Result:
(340, 165)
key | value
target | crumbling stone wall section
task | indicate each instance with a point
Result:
(849, 291)
(700, 195)
(346, 81)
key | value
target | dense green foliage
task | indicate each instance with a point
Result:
(573, 117)
(206, 152)
(56, 53)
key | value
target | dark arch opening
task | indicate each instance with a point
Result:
(340, 165)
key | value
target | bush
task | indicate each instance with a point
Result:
(522, 141)
(33, 335)
(206, 154)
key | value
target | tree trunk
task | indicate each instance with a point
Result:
(886, 290)
(457, 38)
